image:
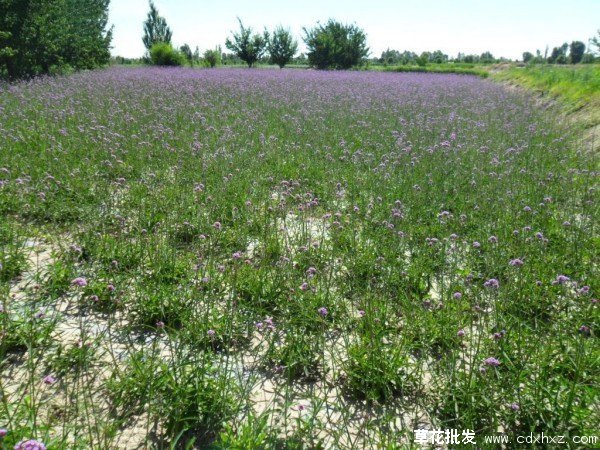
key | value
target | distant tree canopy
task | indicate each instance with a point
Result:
(559, 54)
(335, 45)
(212, 58)
(155, 29)
(527, 56)
(247, 46)
(47, 36)
(595, 43)
(576, 51)
(281, 46)
(186, 51)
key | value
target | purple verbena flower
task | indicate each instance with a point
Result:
(49, 379)
(492, 283)
(79, 281)
(493, 362)
(29, 444)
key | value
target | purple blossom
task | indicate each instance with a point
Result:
(79, 281)
(49, 379)
(211, 333)
(457, 295)
(516, 262)
(492, 362)
(584, 329)
(323, 311)
(561, 279)
(29, 444)
(492, 283)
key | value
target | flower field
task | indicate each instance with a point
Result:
(265, 259)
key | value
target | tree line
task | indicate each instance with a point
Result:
(57, 36)
(574, 53)
(332, 45)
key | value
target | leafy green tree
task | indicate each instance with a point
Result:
(527, 56)
(576, 51)
(41, 36)
(588, 58)
(281, 46)
(423, 59)
(186, 51)
(335, 45)
(155, 29)
(487, 58)
(595, 44)
(438, 57)
(389, 57)
(247, 46)
(559, 54)
(212, 58)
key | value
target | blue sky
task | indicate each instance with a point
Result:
(506, 28)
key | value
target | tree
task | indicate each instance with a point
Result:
(423, 59)
(487, 58)
(248, 47)
(155, 29)
(438, 57)
(212, 58)
(186, 51)
(41, 36)
(281, 46)
(594, 46)
(588, 58)
(527, 56)
(335, 45)
(576, 51)
(559, 54)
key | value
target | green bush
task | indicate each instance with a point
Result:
(212, 58)
(163, 54)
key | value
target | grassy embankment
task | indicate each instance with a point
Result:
(577, 88)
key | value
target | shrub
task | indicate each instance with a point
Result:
(163, 54)
(212, 58)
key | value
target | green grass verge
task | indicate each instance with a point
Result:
(577, 85)
(480, 71)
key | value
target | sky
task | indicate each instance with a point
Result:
(506, 28)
